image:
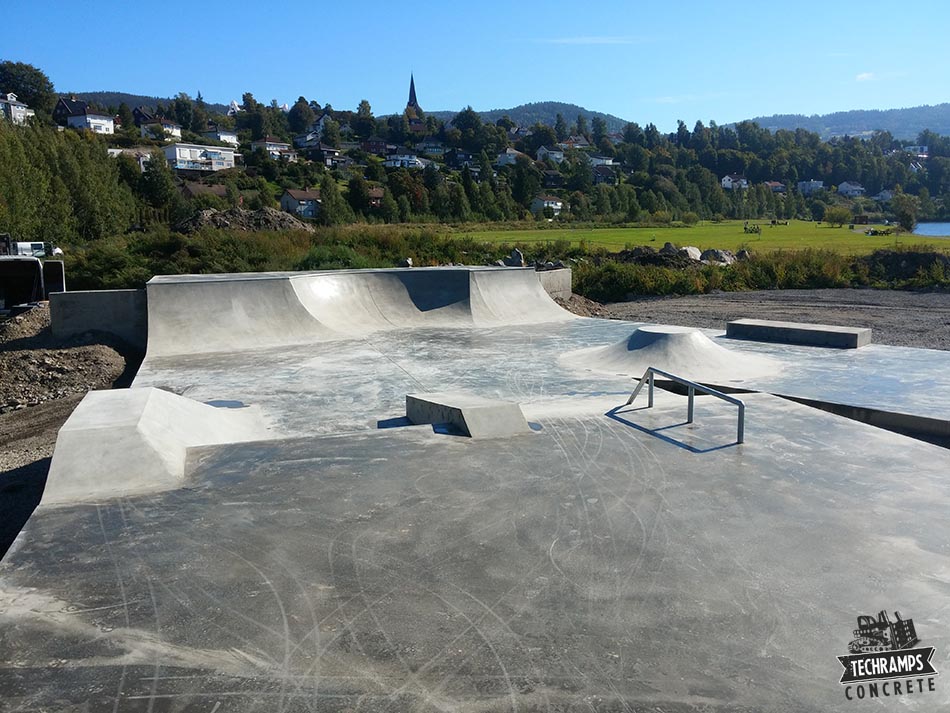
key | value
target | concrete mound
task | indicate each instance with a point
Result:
(130, 441)
(682, 351)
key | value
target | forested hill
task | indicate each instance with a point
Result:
(545, 112)
(113, 99)
(904, 124)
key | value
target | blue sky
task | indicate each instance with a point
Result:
(642, 61)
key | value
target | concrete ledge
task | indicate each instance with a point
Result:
(556, 283)
(131, 441)
(815, 335)
(475, 416)
(123, 313)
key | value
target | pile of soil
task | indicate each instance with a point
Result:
(240, 219)
(645, 255)
(583, 306)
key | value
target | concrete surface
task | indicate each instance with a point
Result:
(615, 558)
(474, 416)
(120, 312)
(818, 335)
(223, 313)
(120, 443)
(557, 283)
(683, 351)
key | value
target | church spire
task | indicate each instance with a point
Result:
(412, 104)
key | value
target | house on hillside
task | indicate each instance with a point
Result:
(734, 181)
(143, 115)
(160, 128)
(850, 189)
(275, 148)
(544, 201)
(194, 157)
(68, 107)
(775, 186)
(377, 146)
(918, 151)
(915, 167)
(376, 195)
(546, 154)
(226, 136)
(807, 188)
(604, 174)
(303, 204)
(430, 147)
(91, 120)
(13, 110)
(508, 158)
(403, 158)
(307, 140)
(553, 179)
(600, 161)
(574, 142)
(884, 196)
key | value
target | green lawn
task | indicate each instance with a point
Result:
(727, 235)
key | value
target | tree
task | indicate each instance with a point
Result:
(331, 133)
(560, 127)
(837, 215)
(905, 208)
(30, 84)
(598, 130)
(300, 116)
(128, 121)
(333, 208)
(364, 125)
(157, 183)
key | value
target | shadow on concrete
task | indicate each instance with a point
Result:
(656, 432)
(20, 492)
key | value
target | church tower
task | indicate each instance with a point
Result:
(412, 106)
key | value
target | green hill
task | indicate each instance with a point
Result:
(113, 99)
(545, 112)
(903, 124)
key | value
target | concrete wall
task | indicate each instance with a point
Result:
(556, 283)
(123, 313)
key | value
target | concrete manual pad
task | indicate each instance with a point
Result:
(610, 562)
(819, 335)
(475, 416)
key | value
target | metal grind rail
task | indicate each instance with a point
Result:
(692, 388)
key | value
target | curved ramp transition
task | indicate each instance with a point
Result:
(683, 351)
(194, 314)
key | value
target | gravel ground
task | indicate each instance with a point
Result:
(908, 319)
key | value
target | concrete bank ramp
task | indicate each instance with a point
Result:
(130, 441)
(194, 314)
(683, 351)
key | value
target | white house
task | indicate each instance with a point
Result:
(275, 148)
(303, 204)
(508, 158)
(194, 157)
(600, 161)
(918, 151)
(403, 159)
(545, 154)
(309, 140)
(915, 167)
(806, 188)
(734, 181)
(884, 196)
(430, 147)
(91, 121)
(545, 201)
(160, 127)
(223, 135)
(574, 142)
(13, 110)
(851, 189)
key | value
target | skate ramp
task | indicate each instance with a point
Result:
(682, 350)
(196, 314)
(131, 441)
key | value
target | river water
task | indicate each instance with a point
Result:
(933, 230)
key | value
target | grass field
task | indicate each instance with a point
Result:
(727, 235)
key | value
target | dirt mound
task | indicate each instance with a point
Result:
(583, 307)
(645, 255)
(36, 368)
(240, 219)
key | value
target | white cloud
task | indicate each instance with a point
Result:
(866, 77)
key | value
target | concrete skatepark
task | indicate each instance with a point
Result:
(421, 490)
